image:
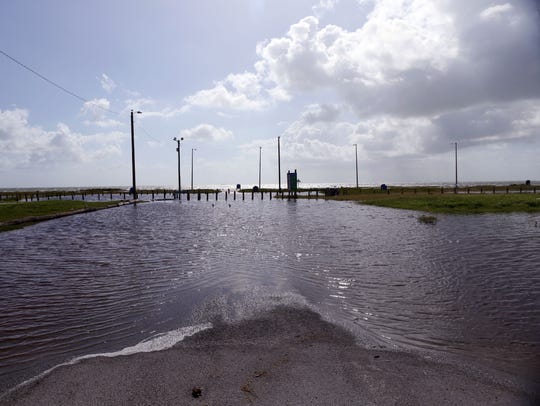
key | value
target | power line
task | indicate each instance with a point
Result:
(56, 84)
(147, 134)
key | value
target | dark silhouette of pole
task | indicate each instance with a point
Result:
(356, 153)
(260, 149)
(179, 174)
(279, 164)
(135, 196)
(192, 149)
(455, 150)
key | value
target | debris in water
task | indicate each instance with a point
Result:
(196, 391)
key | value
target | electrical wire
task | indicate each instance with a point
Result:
(70, 92)
(56, 84)
(147, 134)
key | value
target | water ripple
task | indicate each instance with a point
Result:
(102, 281)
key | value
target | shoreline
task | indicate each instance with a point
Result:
(285, 356)
(30, 220)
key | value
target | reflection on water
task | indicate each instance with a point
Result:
(105, 280)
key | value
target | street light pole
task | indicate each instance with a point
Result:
(455, 150)
(192, 149)
(134, 187)
(356, 153)
(279, 164)
(260, 149)
(179, 175)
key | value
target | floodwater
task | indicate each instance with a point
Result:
(467, 287)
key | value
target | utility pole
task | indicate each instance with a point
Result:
(279, 164)
(135, 196)
(260, 149)
(455, 149)
(356, 153)
(192, 149)
(179, 175)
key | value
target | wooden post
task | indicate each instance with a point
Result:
(198, 195)
(226, 197)
(217, 195)
(262, 195)
(243, 197)
(188, 196)
(234, 195)
(207, 196)
(252, 195)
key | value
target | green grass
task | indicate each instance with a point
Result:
(34, 210)
(452, 203)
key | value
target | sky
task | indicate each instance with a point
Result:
(402, 79)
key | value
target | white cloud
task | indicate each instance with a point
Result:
(496, 11)
(96, 113)
(410, 57)
(318, 112)
(24, 145)
(206, 132)
(107, 83)
(238, 91)
(323, 7)
(387, 136)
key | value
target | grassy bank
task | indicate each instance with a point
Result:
(451, 203)
(17, 215)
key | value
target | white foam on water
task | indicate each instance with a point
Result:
(157, 342)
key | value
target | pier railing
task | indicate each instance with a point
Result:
(269, 194)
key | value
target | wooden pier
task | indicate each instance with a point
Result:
(242, 195)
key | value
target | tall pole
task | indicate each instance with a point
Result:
(279, 164)
(356, 153)
(260, 149)
(179, 174)
(455, 149)
(192, 149)
(135, 196)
